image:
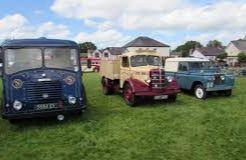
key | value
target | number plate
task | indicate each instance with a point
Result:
(46, 106)
(161, 97)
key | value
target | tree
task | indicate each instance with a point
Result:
(84, 47)
(222, 56)
(187, 47)
(214, 43)
(242, 57)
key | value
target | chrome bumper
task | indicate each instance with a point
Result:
(219, 88)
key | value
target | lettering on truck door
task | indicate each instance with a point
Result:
(124, 70)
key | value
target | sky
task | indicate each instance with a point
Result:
(109, 23)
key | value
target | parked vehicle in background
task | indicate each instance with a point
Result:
(138, 75)
(41, 77)
(243, 72)
(200, 76)
(90, 64)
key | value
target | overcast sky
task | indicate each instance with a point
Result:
(115, 22)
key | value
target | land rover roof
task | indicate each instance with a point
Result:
(186, 59)
(40, 42)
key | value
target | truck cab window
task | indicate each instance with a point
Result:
(22, 59)
(125, 62)
(183, 67)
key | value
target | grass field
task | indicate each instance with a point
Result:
(189, 129)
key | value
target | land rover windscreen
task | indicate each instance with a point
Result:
(41, 77)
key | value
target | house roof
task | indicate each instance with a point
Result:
(115, 50)
(40, 42)
(240, 44)
(210, 51)
(145, 42)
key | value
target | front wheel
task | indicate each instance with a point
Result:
(105, 87)
(129, 96)
(172, 98)
(14, 121)
(96, 70)
(227, 93)
(200, 92)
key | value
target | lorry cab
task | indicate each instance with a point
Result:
(41, 77)
(200, 76)
(138, 74)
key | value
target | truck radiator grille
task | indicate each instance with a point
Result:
(37, 92)
(158, 80)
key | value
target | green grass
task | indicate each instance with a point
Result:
(189, 129)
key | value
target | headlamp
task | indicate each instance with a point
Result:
(72, 100)
(17, 105)
(69, 80)
(169, 79)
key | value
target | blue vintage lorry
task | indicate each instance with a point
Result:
(199, 76)
(41, 77)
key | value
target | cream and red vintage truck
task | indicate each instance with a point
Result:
(138, 75)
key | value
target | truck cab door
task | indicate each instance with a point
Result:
(124, 70)
(183, 75)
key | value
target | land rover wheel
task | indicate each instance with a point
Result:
(227, 93)
(129, 96)
(200, 92)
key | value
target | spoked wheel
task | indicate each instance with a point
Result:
(200, 92)
(129, 96)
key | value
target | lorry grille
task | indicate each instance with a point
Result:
(158, 80)
(44, 91)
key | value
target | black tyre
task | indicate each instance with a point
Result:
(228, 93)
(200, 92)
(129, 96)
(172, 98)
(14, 121)
(96, 70)
(105, 87)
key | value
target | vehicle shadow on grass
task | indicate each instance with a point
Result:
(91, 113)
(150, 102)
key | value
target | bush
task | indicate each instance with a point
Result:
(242, 57)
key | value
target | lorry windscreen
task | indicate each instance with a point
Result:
(62, 58)
(22, 59)
(143, 60)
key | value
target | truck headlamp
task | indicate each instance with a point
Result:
(72, 100)
(147, 79)
(222, 78)
(17, 105)
(211, 79)
(169, 79)
(69, 80)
